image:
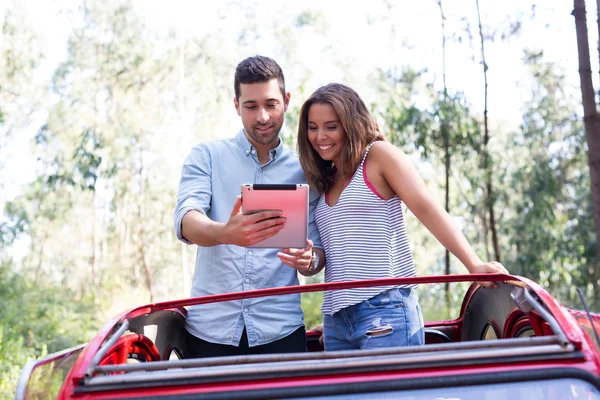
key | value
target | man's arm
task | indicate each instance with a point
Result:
(197, 228)
(241, 230)
(192, 224)
(194, 196)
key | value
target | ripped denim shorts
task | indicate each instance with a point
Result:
(390, 319)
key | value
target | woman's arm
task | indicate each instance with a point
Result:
(400, 174)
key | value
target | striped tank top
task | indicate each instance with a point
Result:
(364, 237)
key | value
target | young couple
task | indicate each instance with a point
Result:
(359, 183)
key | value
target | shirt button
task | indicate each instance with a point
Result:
(253, 151)
(247, 280)
(245, 310)
(260, 169)
(250, 252)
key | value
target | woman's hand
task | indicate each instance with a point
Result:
(298, 259)
(491, 267)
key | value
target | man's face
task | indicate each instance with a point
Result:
(262, 108)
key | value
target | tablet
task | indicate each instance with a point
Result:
(292, 200)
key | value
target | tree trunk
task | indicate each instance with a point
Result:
(486, 232)
(598, 22)
(146, 267)
(446, 138)
(447, 160)
(142, 238)
(491, 202)
(3, 133)
(487, 162)
(95, 245)
(591, 121)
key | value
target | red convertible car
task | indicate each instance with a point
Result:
(515, 342)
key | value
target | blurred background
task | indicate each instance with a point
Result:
(101, 101)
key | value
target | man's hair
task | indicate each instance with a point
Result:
(258, 69)
(360, 128)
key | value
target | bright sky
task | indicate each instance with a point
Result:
(417, 24)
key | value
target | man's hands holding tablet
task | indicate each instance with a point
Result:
(247, 230)
(291, 200)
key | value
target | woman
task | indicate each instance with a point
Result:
(364, 181)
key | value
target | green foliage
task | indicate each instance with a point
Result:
(436, 305)
(20, 95)
(313, 19)
(37, 318)
(15, 224)
(404, 122)
(552, 232)
(311, 303)
(443, 122)
(15, 354)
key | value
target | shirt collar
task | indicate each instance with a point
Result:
(247, 147)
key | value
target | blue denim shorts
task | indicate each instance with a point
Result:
(390, 319)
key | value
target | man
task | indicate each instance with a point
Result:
(208, 215)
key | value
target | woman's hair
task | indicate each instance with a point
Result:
(358, 124)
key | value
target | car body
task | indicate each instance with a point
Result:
(514, 342)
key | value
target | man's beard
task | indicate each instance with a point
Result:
(265, 139)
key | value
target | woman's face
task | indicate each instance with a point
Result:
(325, 132)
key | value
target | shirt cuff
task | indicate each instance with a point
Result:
(179, 218)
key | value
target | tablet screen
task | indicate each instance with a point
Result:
(291, 199)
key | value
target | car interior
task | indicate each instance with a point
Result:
(486, 314)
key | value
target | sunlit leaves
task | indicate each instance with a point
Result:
(552, 224)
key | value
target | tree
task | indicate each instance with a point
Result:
(20, 94)
(487, 161)
(550, 223)
(35, 320)
(446, 138)
(590, 118)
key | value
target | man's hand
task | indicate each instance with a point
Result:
(298, 258)
(247, 230)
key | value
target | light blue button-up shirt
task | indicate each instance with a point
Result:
(210, 182)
